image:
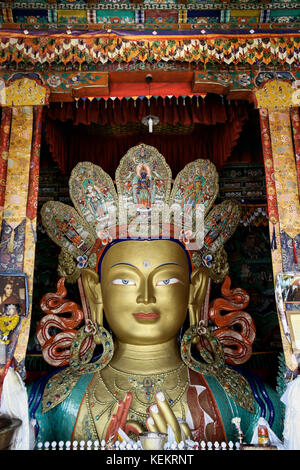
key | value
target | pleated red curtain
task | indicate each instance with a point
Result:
(189, 128)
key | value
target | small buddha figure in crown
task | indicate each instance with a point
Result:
(145, 288)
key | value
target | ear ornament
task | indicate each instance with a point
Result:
(82, 365)
(208, 358)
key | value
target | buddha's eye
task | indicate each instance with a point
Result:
(123, 282)
(167, 282)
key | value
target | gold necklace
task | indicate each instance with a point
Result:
(143, 387)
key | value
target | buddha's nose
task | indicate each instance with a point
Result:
(146, 294)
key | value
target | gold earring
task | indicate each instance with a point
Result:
(82, 365)
(213, 363)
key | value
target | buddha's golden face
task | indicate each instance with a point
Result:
(145, 290)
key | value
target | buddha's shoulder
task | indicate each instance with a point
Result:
(61, 387)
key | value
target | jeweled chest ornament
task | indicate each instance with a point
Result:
(173, 383)
(144, 386)
(147, 386)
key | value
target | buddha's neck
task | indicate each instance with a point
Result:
(141, 359)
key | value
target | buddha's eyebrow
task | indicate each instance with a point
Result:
(135, 267)
(126, 264)
(166, 264)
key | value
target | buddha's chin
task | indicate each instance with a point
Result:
(144, 328)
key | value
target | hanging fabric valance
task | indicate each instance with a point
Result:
(183, 110)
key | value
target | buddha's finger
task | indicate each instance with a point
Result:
(150, 425)
(168, 415)
(158, 419)
(186, 430)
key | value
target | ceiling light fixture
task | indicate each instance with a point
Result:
(150, 120)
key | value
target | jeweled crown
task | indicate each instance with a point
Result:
(104, 211)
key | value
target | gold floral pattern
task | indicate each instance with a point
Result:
(285, 172)
(25, 92)
(274, 94)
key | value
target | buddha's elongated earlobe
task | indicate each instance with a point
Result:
(198, 288)
(92, 289)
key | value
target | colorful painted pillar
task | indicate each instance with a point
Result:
(22, 103)
(276, 103)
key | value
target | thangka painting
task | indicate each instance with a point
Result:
(290, 288)
(13, 307)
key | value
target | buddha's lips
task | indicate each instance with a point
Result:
(146, 316)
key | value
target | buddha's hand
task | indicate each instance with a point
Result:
(119, 421)
(162, 415)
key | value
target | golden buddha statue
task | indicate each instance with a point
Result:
(144, 287)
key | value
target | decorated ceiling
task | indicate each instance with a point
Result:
(74, 44)
(183, 15)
